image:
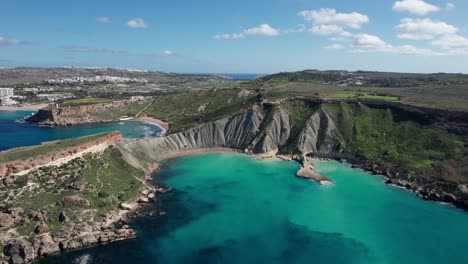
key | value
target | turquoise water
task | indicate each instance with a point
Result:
(232, 208)
(14, 134)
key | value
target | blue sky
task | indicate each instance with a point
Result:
(243, 36)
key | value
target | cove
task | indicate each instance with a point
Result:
(14, 134)
(233, 208)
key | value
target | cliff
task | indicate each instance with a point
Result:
(398, 141)
(11, 163)
(65, 116)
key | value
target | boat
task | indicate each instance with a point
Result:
(124, 118)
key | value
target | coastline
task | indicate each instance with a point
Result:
(23, 108)
(195, 151)
(158, 122)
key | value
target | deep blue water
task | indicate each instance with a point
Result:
(232, 208)
(14, 134)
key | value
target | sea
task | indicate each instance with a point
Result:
(233, 208)
(18, 134)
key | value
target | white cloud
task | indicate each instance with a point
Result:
(369, 43)
(417, 7)
(168, 53)
(104, 20)
(329, 16)
(261, 30)
(137, 23)
(334, 46)
(330, 30)
(410, 28)
(451, 42)
(450, 6)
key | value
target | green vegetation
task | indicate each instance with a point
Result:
(48, 147)
(85, 101)
(375, 134)
(189, 109)
(113, 179)
(362, 95)
(106, 178)
(299, 113)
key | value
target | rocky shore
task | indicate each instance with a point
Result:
(425, 189)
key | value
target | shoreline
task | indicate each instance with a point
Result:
(196, 151)
(162, 124)
(24, 107)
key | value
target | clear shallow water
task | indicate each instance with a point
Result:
(231, 208)
(14, 134)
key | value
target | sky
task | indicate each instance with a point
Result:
(241, 36)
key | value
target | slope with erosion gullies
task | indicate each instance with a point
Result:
(411, 146)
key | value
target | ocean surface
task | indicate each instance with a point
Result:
(14, 134)
(232, 208)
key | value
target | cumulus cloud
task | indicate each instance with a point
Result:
(415, 29)
(103, 20)
(261, 30)
(137, 23)
(330, 30)
(364, 43)
(369, 42)
(329, 16)
(455, 43)
(417, 7)
(450, 6)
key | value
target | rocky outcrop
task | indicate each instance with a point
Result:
(65, 116)
(74, 201)
(12, 167)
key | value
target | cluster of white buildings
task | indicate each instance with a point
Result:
(6, 97)
(109, 79)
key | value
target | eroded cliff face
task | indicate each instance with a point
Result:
(232, 132)
(276, 134)
(249, 131)
(320, 135)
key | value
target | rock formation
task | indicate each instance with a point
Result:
(15, 166)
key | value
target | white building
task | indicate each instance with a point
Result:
(6, 92)
(5, 97)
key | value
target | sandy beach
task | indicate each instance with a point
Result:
(203, 150)
(159, 122)
(24, 107)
